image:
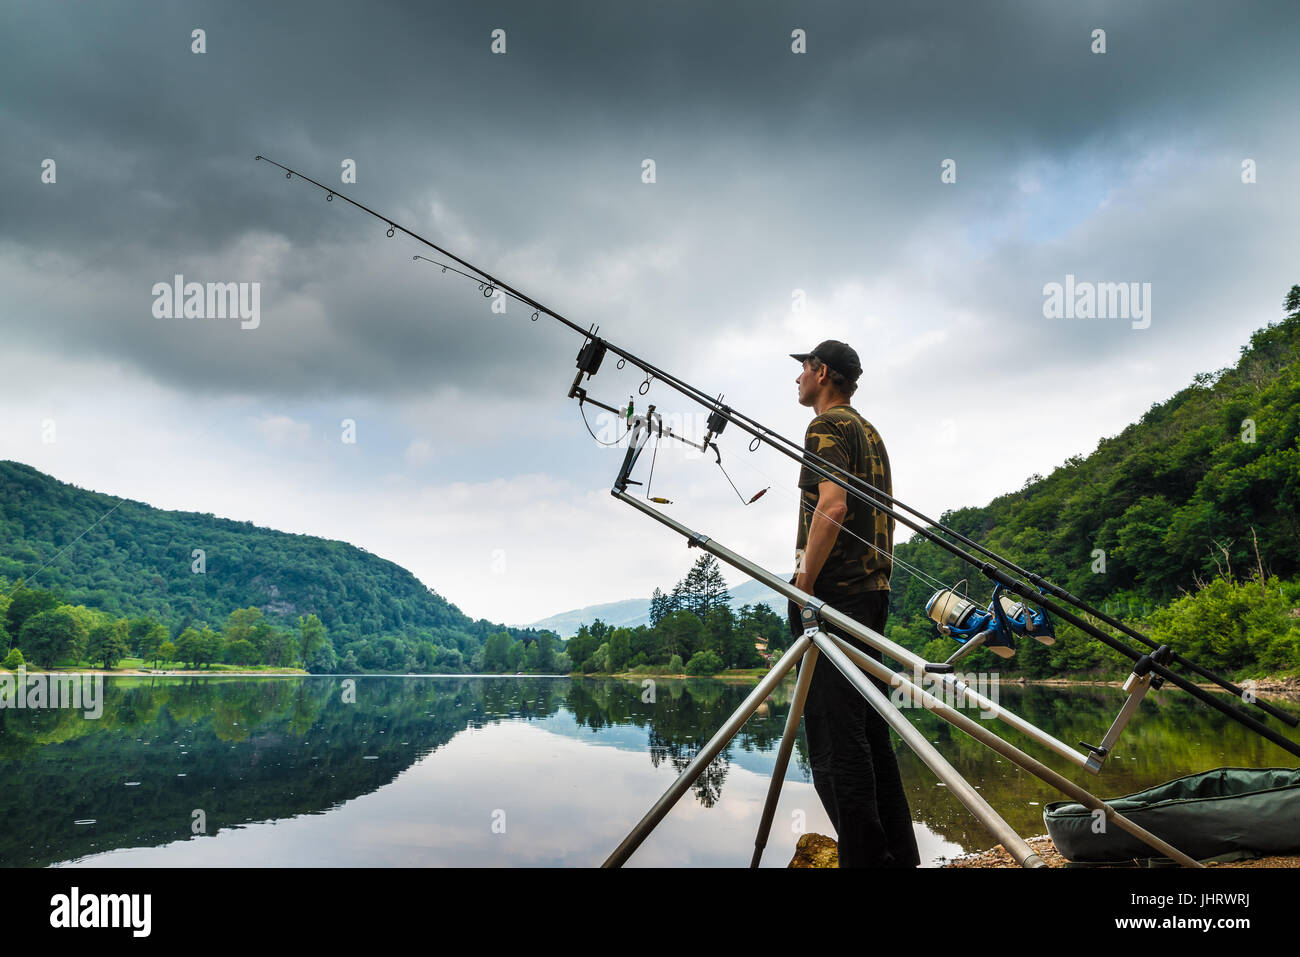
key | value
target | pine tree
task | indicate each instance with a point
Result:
(677, 601)
(659, 606)
(703, 588)
(714, 589)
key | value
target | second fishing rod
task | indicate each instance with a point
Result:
(594, 349)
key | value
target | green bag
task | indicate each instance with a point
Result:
(1238, 812)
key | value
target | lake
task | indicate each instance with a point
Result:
(504, 771)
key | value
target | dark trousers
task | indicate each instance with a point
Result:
(855, 771)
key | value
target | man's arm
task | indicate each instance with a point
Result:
(831, 509)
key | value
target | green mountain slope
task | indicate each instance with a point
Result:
(1175, 500)
(129, 559)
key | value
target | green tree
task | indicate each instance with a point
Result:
(532, 657)
(166, 652)
(620, 649)
(137, 630)
(311, 635)
(324, 660)
(150, 645)
(449, 660)
(109, 643)
(279, 649)
(680, 633)
(209, 646)
(261, 635)
(242, 652)
(581, 645)
(26, 603)
(189, 647)
(1234, 625)
(13, 661)
(53, 635)
(659, 606)
(704, 663)
(598, 662)
(5, 588)
(545, 644)
(496, 653)
(514, 656)
(703, 589)
(242, 624)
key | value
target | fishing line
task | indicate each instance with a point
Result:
(757, 495)
(653, 456)
(583, 412)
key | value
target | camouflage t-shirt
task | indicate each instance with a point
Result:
(850, 444)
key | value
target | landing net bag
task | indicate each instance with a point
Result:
(1241, 812)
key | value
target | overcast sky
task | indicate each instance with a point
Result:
(775, 171)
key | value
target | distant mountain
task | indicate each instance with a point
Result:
(636, 611)
(128, 558)
(623, 614)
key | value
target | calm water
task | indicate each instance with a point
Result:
(202, 772)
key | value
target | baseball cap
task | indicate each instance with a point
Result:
(838, 355)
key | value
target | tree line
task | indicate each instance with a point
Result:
(692, 630)
(40, 627)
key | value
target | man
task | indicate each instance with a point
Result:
(854, 768)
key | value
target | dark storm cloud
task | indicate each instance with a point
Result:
(774, 171)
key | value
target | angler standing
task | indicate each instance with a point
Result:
(854, 768)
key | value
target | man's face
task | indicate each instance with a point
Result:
(807, 382)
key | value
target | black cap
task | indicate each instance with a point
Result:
(838, 355)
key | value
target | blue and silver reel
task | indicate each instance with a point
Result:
(995, 627)
(1023, 619)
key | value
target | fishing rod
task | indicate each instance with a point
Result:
(591, 355)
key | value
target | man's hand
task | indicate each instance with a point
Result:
(824, 527)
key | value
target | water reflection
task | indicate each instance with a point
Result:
(500, 771)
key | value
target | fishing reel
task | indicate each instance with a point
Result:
(995, 627)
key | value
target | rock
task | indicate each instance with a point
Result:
(816, 850)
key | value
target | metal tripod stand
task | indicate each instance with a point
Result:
(816, 642)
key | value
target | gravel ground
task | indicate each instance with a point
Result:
(1044, 848)
(818, 850)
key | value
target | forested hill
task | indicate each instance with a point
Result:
(139, 560)
(1174, 502)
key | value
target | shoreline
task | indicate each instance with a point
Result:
(1283, 686)
(1286, 687)
(170, 673)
